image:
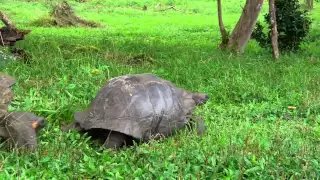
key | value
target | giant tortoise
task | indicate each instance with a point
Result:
(18, 128)
(138, 107)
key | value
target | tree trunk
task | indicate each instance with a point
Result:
(274, 36)
(224, 33)
(243, 30)
(309, 4)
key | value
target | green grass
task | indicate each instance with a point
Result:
(251, 132)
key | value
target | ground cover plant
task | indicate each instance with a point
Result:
(263, 116)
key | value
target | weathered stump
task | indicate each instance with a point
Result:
(9, 34)
(63, 16)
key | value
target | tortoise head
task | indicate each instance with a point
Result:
(37, 122)
(200, 98)
(20, 129)
(34, 121)
(193, 99)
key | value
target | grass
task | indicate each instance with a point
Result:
(251, 132)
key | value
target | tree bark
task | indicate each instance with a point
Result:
(309, 4)
(274, 36)
(243, 29)
(224, 33)
(6, 21)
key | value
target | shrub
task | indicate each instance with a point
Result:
(293, 25)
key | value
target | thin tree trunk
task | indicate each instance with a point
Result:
(274, 36)
(309, 4)
(224, 33)
(243, 30)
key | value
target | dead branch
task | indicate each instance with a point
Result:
(158, 5)
(4, 18)
(172, 7)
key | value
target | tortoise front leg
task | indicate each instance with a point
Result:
(115, 140)
(3, 132)
(198, 124)
(72, 126)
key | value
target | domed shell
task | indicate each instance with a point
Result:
(6, 95)
(6, 80)
(140, 105)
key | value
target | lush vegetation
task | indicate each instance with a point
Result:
(252, 132)
(293, 26)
